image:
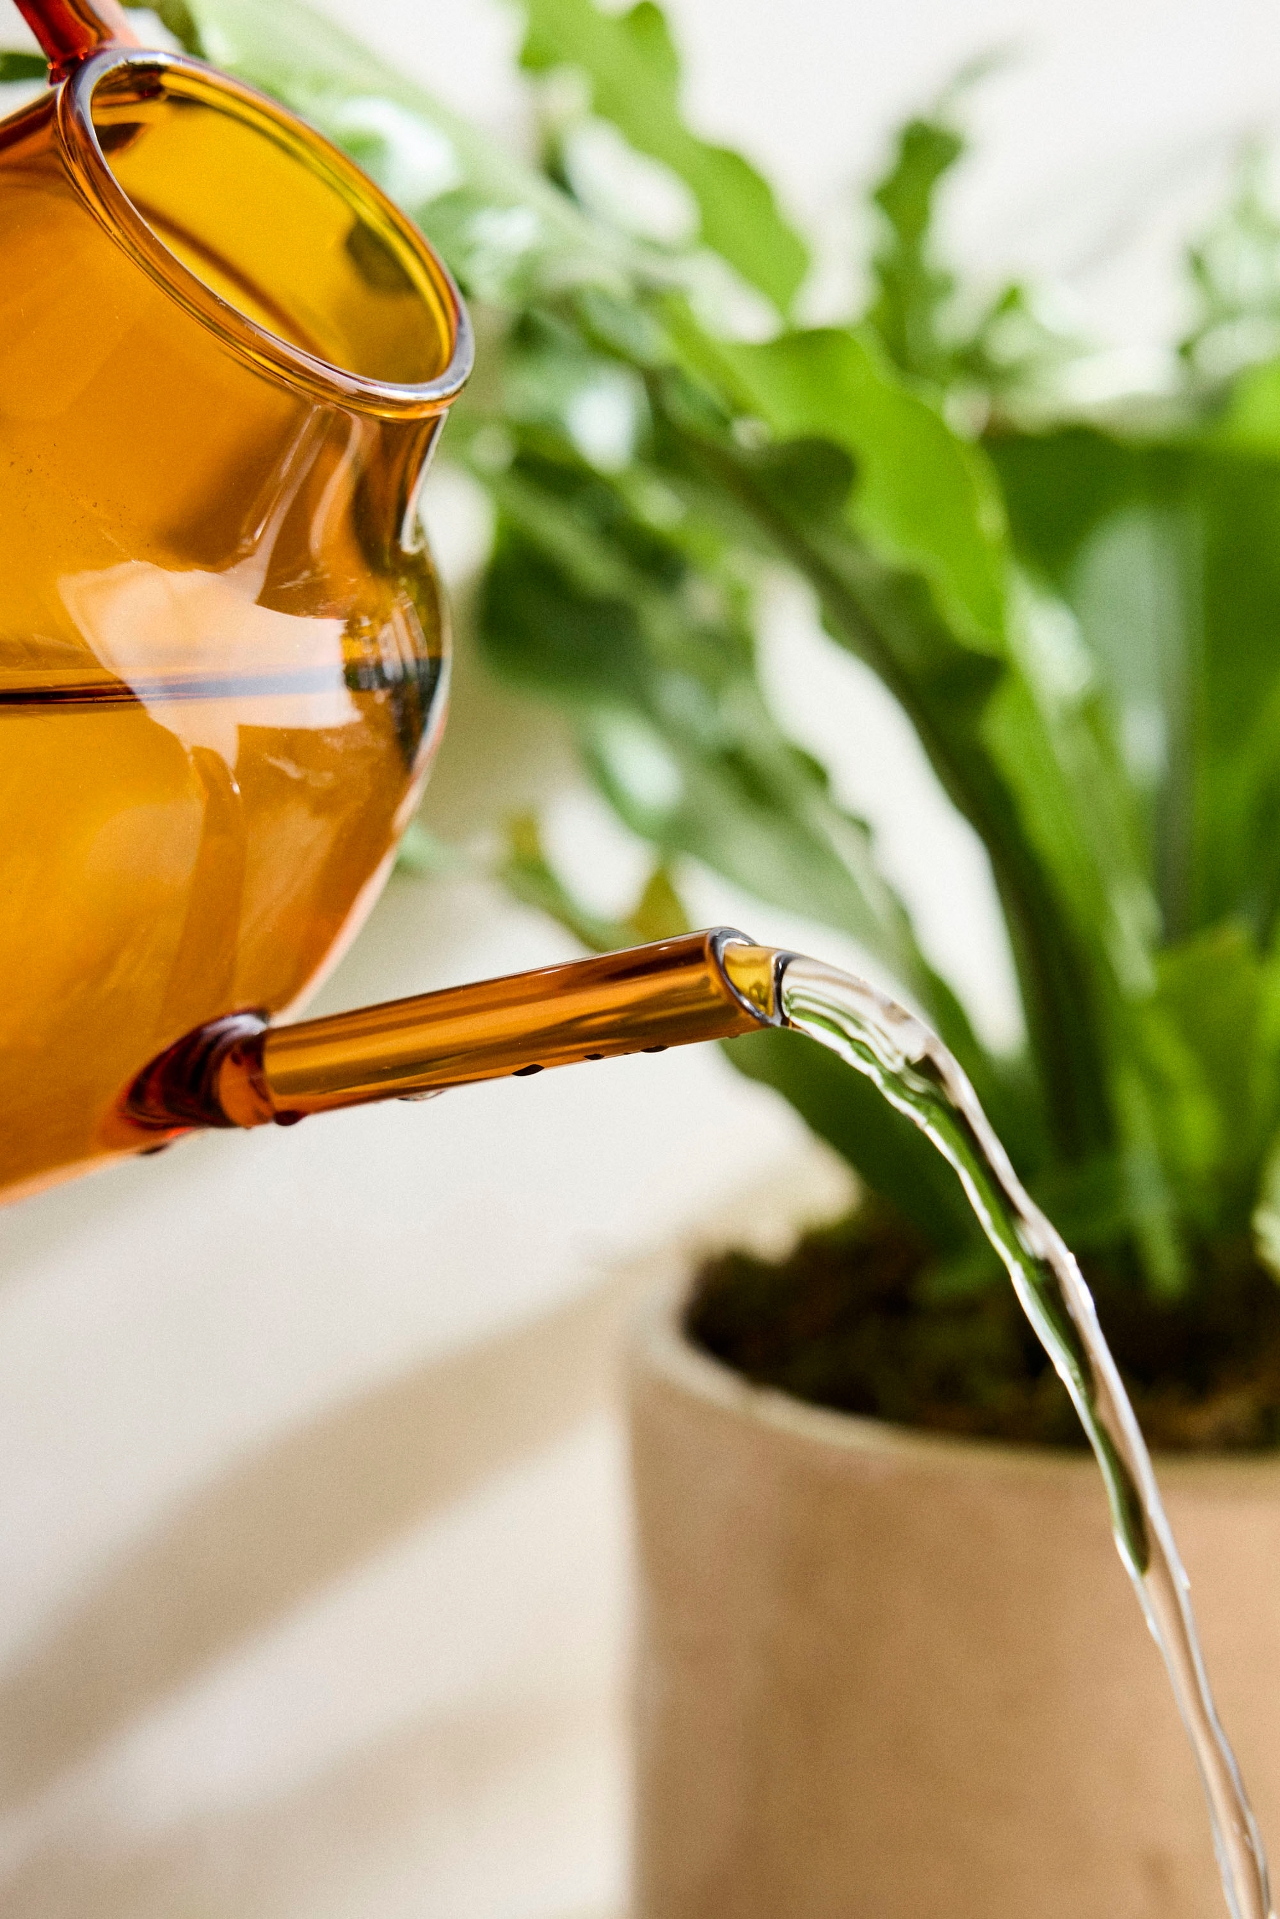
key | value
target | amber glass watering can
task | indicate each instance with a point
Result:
(224, 360)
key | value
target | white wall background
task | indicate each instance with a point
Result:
(312, 1530)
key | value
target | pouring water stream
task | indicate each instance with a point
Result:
(917, 1075)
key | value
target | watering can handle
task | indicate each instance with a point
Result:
(70, 30)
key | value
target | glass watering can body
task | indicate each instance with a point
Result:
(224, 359)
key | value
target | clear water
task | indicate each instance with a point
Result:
(916, 1074)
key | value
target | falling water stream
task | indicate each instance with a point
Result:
(916, 1074)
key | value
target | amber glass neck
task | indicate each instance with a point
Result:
(238, 1072)
(70, 30)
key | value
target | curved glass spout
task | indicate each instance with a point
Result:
(239, 1072)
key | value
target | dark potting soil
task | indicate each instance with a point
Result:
(850, 1321)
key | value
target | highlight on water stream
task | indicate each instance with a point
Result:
(920, 1078)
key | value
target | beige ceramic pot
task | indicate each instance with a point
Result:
(885, 1675)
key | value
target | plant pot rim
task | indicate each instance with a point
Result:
(661, 1352)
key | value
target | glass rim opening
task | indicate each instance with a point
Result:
(264, 350)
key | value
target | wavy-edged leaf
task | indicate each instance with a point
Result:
(1009, 346)
(911, 289)
(923, 498)
(634, 74)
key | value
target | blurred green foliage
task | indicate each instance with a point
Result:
(18, 67)
(1078, 610)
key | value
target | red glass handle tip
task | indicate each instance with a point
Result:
(70, 30)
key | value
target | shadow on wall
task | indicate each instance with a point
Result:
(246, 1550)
(257, 1862)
